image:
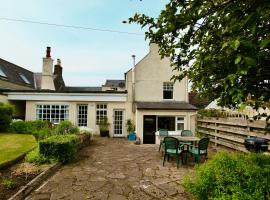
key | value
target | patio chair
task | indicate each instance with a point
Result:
(162, 132)
(186, 133)
(200, 150)
(172, 149)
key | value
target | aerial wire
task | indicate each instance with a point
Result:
(69, 26)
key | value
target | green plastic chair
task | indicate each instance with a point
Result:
(187, 133)
(162, 132)
(172, 149)
(200, 150)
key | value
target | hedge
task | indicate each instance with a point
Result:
(231, 176)
(59, 147)
(6, 112)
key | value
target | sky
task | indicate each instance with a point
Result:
(88, 57)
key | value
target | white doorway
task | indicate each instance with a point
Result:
(118, 123)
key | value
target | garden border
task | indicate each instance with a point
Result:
(37, 181)
(9, 163)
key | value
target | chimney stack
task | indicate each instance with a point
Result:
(48, 52)
(58, 77)
(47, 82)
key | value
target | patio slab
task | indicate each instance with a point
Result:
(116, 169)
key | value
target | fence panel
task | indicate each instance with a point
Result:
(231, 132)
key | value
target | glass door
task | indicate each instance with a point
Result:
(118, 123)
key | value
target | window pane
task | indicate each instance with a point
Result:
(82, 115)
(52, 113)
(101, 112)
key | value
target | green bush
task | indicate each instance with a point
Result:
(231, 176)
(36, 158)
(59, 147)
(6, 112)
(21, 127)
(212, 113)
(66, 127)
(40, 129)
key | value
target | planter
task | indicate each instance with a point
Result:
(104, 133)
(132, 136)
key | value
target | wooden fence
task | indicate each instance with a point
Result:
(231, 132)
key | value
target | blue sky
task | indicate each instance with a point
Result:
(88, 57)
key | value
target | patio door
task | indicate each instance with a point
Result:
(118, 123)
(149, 129)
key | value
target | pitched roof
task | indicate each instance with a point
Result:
(115, 83)
(16, 74)
(170, 105)
(196, 100)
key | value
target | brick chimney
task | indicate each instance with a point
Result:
(47, 82)
(58, 77)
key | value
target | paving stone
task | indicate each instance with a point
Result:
(116, 169)
(154, 191)
(117, 197)
(116, 176)
(149, 172)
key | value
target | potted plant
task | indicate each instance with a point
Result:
(130, 130)
(104, 127)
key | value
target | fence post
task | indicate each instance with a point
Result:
(215, 134)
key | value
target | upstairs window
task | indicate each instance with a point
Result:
(23, 77)
(167, 90)
(2, 73)
(101, 112)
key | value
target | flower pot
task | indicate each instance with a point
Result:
(104, 133)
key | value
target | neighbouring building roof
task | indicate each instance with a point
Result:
(82, 89)
(115, 83)
(179, 105)
(16, 74)
(198, 101)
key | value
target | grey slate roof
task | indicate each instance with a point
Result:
(82, 89)
(173, 105)
(115, 83)
(13, 73)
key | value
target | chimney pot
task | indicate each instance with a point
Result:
(48, 52)
(58, 62)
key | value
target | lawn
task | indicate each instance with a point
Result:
(13, 146)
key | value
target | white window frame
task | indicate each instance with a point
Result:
(167, 86)
(101, 111)
(46, 111)
(82, 115)
(182, 121)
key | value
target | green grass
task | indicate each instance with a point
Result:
(13, 146)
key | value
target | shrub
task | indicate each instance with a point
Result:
(8, 183)
(59, 147)
(40, 129)
(212, 113)
(231, 176)
(66, 127)
(6, 112)
(36, 158)
(21, 127)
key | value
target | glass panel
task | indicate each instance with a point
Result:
(101, 112)
(2, 73)
(166, 123)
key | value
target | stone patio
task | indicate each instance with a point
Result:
(116, 169)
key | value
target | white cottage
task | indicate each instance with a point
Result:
(146, 96)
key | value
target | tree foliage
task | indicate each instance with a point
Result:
(223, 46)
